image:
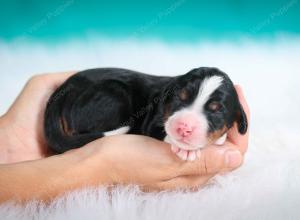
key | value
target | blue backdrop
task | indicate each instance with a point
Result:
(183, 20)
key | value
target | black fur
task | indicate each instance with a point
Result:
(98, 100)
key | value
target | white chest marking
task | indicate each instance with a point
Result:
(121, 130)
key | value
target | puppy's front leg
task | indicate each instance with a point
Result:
(221, 140)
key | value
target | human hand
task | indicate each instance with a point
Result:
(21, 128)
(125, 159)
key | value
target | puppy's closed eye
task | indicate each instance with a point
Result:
(214, 106)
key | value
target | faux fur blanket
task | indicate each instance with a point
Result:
(267, 186)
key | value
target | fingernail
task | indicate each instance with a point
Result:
(233, 158)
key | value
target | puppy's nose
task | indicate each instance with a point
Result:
(184, 129)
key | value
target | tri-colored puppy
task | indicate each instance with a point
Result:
(189, 111)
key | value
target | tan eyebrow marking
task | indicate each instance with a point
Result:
(183, 95)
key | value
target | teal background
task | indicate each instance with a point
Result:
(182, 20)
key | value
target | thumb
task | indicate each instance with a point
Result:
(214, 159)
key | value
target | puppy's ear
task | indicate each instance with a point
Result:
(242, 120)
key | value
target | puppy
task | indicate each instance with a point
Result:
(189, 111)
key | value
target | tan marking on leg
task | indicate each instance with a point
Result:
(214, 136)
(65, 128)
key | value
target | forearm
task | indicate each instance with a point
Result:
(47, 178)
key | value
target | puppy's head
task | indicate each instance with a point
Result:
(201, 109)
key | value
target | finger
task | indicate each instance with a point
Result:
(51, 80)
(214, 159)
(59, 78)
(241, 141)
(38, 89)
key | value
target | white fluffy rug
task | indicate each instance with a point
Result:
(268, 184)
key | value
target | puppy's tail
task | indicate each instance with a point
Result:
(59, 137)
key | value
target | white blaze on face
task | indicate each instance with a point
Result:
(208, 87)
(188, 127)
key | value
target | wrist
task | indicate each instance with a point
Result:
(86, 166)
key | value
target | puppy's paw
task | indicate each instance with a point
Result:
(189, 155)
(193, 154)
(175, 149)
(182, 154)
(221, 140)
